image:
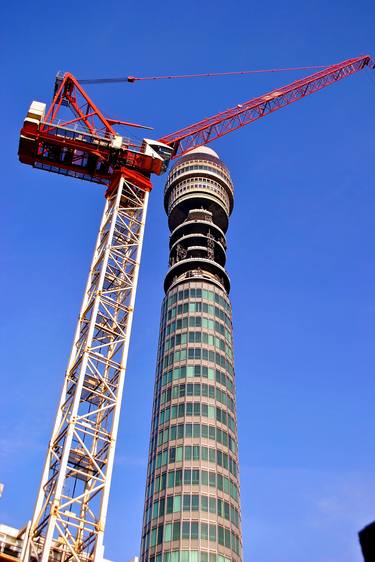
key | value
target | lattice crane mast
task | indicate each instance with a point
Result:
(71, 507)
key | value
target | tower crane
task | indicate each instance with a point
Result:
(70, 512)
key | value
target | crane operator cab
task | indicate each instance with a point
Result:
(158, 151)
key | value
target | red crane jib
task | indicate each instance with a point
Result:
(242, 114)
(87, 147)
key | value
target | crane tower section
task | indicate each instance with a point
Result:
(70, 512)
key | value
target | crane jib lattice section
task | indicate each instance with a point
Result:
(227, 121)
(72, 503)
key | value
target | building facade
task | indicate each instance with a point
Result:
(192, 499)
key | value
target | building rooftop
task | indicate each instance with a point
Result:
(204, 150)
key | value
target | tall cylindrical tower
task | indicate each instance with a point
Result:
(192, 502)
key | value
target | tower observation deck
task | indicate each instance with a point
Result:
(192, 499)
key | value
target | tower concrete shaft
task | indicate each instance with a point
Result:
(192, 500)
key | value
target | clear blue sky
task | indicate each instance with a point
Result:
(301, 256)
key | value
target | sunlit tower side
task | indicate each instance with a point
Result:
(192, 500)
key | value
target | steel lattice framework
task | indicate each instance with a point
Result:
(242, 114)
(72, 504)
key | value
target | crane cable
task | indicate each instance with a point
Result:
(132, 79)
